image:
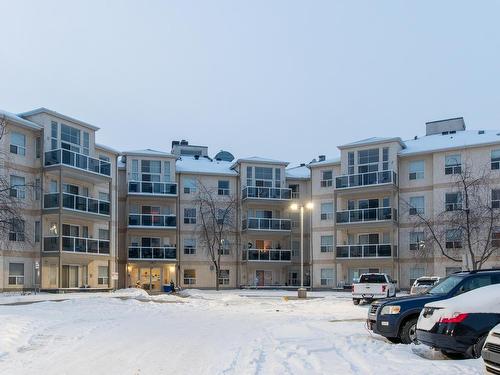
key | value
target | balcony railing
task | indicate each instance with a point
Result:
(267, 224)
(77, 203)
(152, 188)
(152, 253)
(76, 160)
(267, 255)
(258, 192)
(366, 179)
(76, 245)
(153, 221)
(366, 251)
(367, 215)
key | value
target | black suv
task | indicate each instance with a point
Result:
(396, 318)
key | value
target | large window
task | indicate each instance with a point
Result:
(151, 170)
(495, 198)
(327, 211)
(327, 277)
(16, 273)
(190, 216)
(453, 201)
(368, 160)
(17, 143)
(224, 277)
(189, 277)
(454, 238)
(495, 159)
(189, 246)
(17, 187)
(416, 240)
(417, 205)
(326, 178)
(53, 135)
(70, 138)
(223, 187)
(189, 185)
(326, 244)
(16, 231)
(102, 275)
(263, 176)
(453, 164)
(417, 168)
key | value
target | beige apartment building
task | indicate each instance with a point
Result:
(65, 187)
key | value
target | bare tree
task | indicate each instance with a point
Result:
(217, 213)
(469, 225)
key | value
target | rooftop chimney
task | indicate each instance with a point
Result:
(184, 142)
(321, 158)
(448, 126)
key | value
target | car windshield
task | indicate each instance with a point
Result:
(372, 279)
(445, 285)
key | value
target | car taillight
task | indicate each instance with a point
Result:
(456, 318)
(384, 287)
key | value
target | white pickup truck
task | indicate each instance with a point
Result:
(373, 286)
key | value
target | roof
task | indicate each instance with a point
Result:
(258, 159)
(439, 142)
(148, 152)
(57, 114)
(299, 172)
(372, 140)
(330, 161)
(203, 165)
(19, 120)
(106, 148)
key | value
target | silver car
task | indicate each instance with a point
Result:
(422, 284)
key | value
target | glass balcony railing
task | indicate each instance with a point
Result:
(367, 215)
(76, 245)
(366, 251)
(152, 188)
(152, 253)
(77, 203)
(257, 192)
(267, 224)
(365, 179)
(76, 160)
(267, 255)
(152, 221)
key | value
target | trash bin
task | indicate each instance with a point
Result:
(167, 288)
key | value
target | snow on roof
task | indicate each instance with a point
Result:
(335, 160)
(57, 114)
(299, 172)
(189, 164)
(106, 148)
(371, 140)
(258, 159)
(19, 120)
(460, 139)
(147, 152)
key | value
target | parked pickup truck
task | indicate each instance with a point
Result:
(373, 286)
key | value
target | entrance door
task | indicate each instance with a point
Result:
(70, 277)
(151, 279)
(263, 278)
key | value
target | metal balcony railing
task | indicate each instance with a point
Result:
(366, 251)
(267, 224)
(77, 160)
(77, 203)
(154, 221)
(258, 192)
(367, 215)
(365, 179)
(267, 255)
(152, 188)
(152, 253)
(76, 245)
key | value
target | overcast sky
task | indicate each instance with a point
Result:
(280, 79)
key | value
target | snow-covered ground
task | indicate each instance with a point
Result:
(203, 332)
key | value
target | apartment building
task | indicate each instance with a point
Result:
(65, 186)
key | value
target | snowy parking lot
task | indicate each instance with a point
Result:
(203, 332)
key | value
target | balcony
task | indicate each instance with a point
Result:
(76, 160)
(267, 255)
(366, 179)
(266, 193)
(77, 203)
(267, 224)
(152, 253)
(367, 215)
(152, 221)
(365, 251)
(78, 245)
(152, 188)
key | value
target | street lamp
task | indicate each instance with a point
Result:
(302, 291)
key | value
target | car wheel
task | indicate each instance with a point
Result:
(394, 340)
(475, 350)
(408, 332)
(355, 301)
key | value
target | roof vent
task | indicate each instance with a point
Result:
(302, 164)
(321, 158)
(184, 142)
(196, 157)
(480, 132)
(415, 138)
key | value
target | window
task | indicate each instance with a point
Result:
(277, 177)
(368, 160)
(416, 240)
(417, 168)
(295, 248)
(189, 185)
(415, 273)
(53, 135)
(224, 277)
(327, 211)
(102, 278)
(327, 277)
(166, 171)
(16, 273)
(225, 248)
(189, 246)
(70, 138)
(453, 201)
(103, 196)
(495, 159)
(38, 189)
(417, 205)
(86, 143)
(295, 188)
(454, 239)
(189, 277)
(17, 187)
(103, 234)
(385, 158)
(326, 244)
(495, 198)
(38, 231)
(71, 230)
(249, 176)
(326, 178)
(16, 231)
(38, 147)
(495, 237)
(135, 170)
(17, 143)
(453, 164)
(263, 176)
(223, 187)
(151, 170)
(190, 216)
(104, 158)
(350, 162)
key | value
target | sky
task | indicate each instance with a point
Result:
(280, 79)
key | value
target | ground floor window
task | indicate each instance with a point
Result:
(102, 278)
(293, 278)
(16, 273)
(189, 277)
(327, 277)
(415, 273)
(224, 277)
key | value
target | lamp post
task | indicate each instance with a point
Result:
(302, 293)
